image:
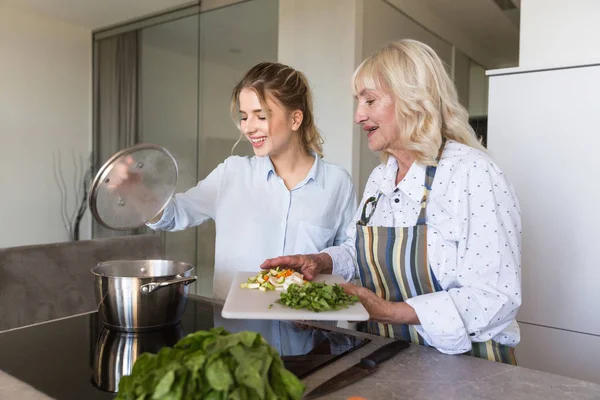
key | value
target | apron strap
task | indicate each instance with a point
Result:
(429, 176)
(364, 219)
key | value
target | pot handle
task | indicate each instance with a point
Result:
(152, 286)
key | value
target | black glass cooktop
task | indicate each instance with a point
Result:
(79, 358)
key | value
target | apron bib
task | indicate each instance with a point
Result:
(393, 263)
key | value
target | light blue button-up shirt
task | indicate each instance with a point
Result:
(257, 217)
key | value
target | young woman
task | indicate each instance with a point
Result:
(286, 199)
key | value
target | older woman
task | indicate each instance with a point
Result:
(436, 238)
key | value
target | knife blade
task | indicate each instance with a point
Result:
(364, 368)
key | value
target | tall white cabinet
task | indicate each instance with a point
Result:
(544, 131)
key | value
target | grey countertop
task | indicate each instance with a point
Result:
(425, 373)
(12, 388)
(415, 373)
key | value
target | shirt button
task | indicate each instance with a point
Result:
(397, 200)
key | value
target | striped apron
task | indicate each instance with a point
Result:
(393, 263)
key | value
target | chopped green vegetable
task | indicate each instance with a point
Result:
(273, 279)
(317, 296)
(212, 365)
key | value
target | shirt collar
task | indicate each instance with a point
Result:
(412, 185)
(267, 166)
(315, 173)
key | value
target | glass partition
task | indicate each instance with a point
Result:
(186, 65)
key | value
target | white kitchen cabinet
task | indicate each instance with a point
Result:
(544, 131)
(559, 352)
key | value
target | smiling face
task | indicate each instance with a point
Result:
(268, 137)
(376, 113)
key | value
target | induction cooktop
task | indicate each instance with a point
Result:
(80, 358)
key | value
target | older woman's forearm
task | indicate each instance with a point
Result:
(398, 313)
(402, 313)
(387, 312)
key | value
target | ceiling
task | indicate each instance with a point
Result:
(94, 14)
(484, 21)
(233, 36)
(481, 28)
(484, 29)
(241, 34)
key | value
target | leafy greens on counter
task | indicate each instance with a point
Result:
(209, 365)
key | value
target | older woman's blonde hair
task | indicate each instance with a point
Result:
(427, 106)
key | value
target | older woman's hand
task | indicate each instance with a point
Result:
(381, 310)
(310, 265)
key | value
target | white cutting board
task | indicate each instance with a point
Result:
(254, 304)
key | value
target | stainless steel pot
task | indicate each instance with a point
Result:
(116, 352)
(141, 295)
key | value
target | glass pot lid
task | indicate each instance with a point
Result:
(133, 186)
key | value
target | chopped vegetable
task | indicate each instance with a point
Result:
(316, 296)
(212, 365)
(273, 279)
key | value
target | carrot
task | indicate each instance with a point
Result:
(285, 273)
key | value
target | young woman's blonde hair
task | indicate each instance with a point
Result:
(427, 106)
(290, 89)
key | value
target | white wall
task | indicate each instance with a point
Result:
(322, 39)
(45, 105)
(557, 33)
